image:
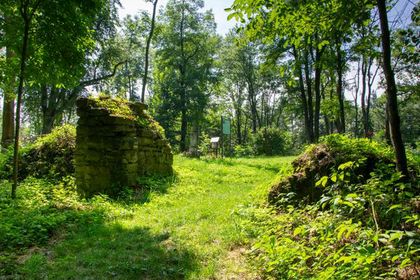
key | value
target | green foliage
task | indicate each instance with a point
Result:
(311, 244)
(184, 61)
(49, 156)
(243, 150)
(40, 210)
(364, 224)
(271, 141)
(168, 228)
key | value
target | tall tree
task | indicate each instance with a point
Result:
(9, 20)
(43, 41)
(146, 58)
(391, 91)
(27, 10)
(183, 66)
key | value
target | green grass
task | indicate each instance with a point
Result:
(177, 229)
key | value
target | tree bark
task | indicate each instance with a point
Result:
(308, 127)
(355, 98)
(391, 92)
(8, 128)
(27, 17)
(363, 95)
(308, 80)
(341, 122)
(238, 114)
(146, 58)
(183, 98)
(318, 71)
(254, 112)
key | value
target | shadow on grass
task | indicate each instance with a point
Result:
(144, 189)
(43, 215)
(112, 251)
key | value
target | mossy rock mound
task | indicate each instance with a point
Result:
(323, 159)
(50, 156)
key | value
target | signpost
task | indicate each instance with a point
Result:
(226, 131)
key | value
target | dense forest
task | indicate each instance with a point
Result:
(335, 81)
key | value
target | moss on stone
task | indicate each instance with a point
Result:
(114, 106)
(117, 142)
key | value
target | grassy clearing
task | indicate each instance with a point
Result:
(177, 229)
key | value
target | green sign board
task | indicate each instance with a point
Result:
(226, 126)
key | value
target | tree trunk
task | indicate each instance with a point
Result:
(371, 80)
(8, 129)
(308, 127)
(254, 112)
(184, 129)
(341, 122)
(391, 92)
(182, 70)
(238, 116)
(146, 58)
(308, 80)
(363, 95)
(27, 20)
(355, 98)
(318, 71)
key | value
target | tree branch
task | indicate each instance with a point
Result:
(97, 80)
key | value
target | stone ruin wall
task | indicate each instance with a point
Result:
(114, 150)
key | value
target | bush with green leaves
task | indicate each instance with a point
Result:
(50, 156)
(364, 223)
(271, 141)
(243, 150)
(319, 160)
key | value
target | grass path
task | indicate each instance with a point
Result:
(184, 231)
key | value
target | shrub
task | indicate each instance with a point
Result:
(50, 156)
(243, 150)
(271, 141)
(344, 213)
(322, 159)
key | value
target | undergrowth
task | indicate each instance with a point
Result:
(357, 229)
(164, 228)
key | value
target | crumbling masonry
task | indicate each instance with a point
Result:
(117, 142)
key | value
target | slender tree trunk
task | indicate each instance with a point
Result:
(371, 80)
(318, 71)
(341, 122)
(387, 128)
(363, 95)
(8, 129)
(184, 129)
(391, 92)
(254, 112)
(146, 58)
(308, 127)
(27, 20)
(184, 120)
(308, 80)
(355, 99)
(239, 116)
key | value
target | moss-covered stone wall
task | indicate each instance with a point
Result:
(117, 142)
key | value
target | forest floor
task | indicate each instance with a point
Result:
(179, 229)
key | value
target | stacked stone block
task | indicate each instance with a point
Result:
(114, 150)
